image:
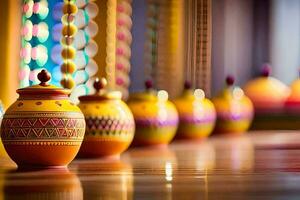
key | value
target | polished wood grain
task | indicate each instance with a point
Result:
(259, 165)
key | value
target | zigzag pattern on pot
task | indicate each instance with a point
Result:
(108, 126)
(41, 128)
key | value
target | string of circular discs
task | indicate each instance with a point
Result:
(68, 53)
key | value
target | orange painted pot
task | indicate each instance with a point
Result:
(156, 118)
(110, 124)
(42, 128)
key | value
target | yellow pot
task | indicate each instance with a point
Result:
(197, 115)
(110, 124)
(234, 109)
(155, 117)
(42, 128)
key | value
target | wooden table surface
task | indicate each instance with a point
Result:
(259, 165)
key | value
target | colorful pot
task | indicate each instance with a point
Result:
(292, 104)
(234, 109)
(110, 124)
(155, 117)
(42, 128)
(267, 93)
(197, 114)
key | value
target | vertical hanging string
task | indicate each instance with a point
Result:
(187, 38)
(194, 42)
(68, 52)
(123, 41)
(152, 38)
(110, 69)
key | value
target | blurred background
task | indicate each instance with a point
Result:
(176, 40)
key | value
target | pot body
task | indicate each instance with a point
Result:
(110, 128)
(233, 115)
(42, 132)
(196, 117)
(156, 122)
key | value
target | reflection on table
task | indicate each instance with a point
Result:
(257, 165)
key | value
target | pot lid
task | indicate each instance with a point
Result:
(44, 88)
(230, 91)
(101, 92)
(149, 94)
(191, 93)
(266, 88)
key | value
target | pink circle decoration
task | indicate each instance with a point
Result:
(120, 51)
(119, 81)
(120, 8)
(22, 74)
(120, 66)
(36, 7)
(120, 22)
(121, 36)
(24, 30)
(35, 30)
(23, 53)
(25, 7)
(34, 53)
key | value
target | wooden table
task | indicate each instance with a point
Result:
(259, 165)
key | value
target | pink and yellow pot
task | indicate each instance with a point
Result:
(109, 121)
(292, 104)
(156, 118)
(234, 109)
(197, 114)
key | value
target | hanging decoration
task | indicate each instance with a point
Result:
(42, 44)
(164, 44)
(123, 42)
(103, 45)
(198, 43)
(86, 48)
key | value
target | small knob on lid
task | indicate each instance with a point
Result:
(266, 70)
(149, 84)
(100, 84)
(187, 85)
(44, 76)
(230, 80)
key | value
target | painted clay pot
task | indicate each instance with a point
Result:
(155, 117)
(234, 109)
(110, 124)
(42, 128)
(197, 114)
(292, 104)
(267, 93)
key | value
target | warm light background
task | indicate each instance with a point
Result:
(10, 15)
